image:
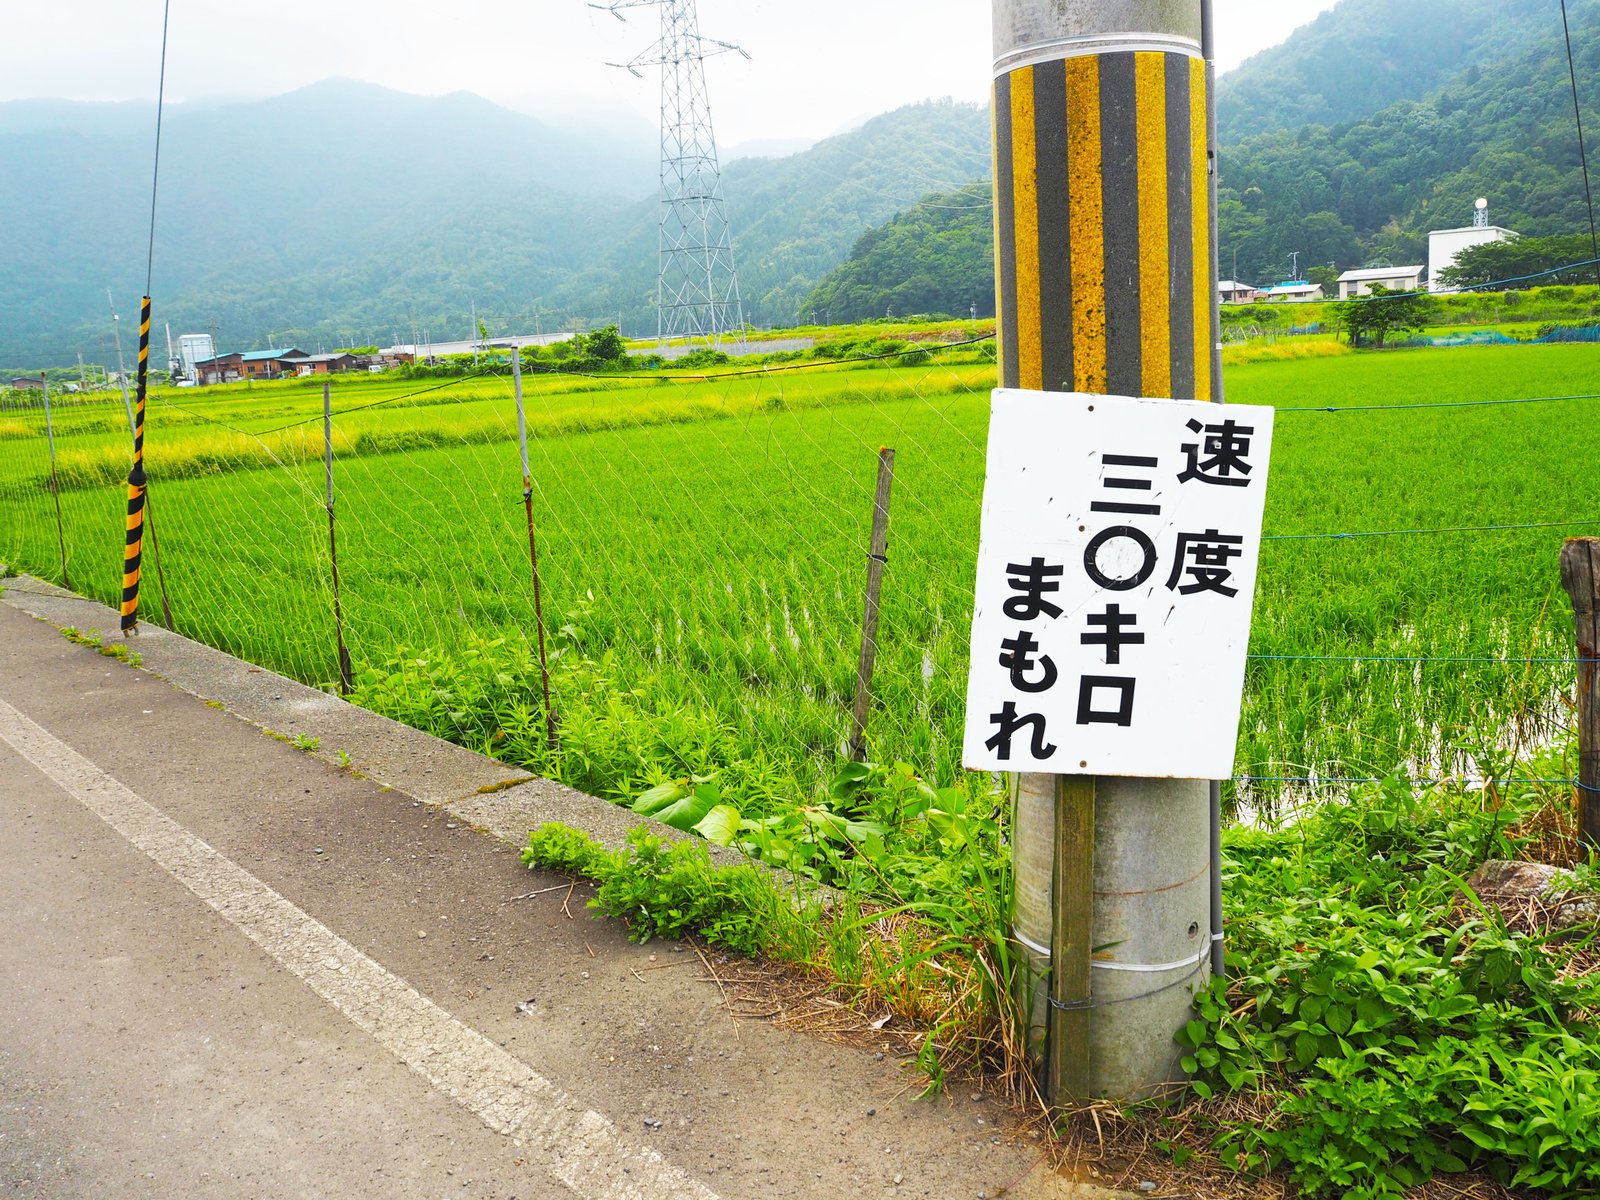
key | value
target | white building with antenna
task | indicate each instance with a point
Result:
(1445, 244)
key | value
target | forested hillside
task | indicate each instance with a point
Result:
(1370, 189)
(795, 218)
(1494, 120)
(937, 257)
(1364, 55)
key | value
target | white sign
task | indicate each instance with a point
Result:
(1116, 573)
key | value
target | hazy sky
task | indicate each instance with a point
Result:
(816, 65)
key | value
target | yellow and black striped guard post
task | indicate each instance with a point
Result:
(133, 551)
(1103, 225)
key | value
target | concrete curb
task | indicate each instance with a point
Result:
(495, 797)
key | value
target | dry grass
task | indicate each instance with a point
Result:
(1283, 350)
(1552, 835)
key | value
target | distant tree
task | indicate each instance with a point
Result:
(602, 345)
(1324, 277)
(1498, 266)
(1373, 318)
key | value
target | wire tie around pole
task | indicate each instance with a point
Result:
(1071, 1005)
(1091, 1003)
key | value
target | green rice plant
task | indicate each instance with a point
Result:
(722, 537)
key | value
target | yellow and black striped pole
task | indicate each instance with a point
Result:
(133, 550)
(1105, 281)
(1104, 223)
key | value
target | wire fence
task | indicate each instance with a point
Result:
(702, 546)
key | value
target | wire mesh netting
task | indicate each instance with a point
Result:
(703, 544)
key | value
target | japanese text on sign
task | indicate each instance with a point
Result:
(1116, 573)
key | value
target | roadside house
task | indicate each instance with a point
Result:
(224, 368)
(319, 364)
(1294, 291)
(269, 364)
(1395, 279)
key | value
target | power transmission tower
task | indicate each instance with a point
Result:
(697, 288)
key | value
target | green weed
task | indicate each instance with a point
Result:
(1396, 1029)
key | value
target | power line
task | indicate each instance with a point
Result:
(155, 174)
(1465, 781)
(1441, 404)
(1379, 658)
(1331, 537)
(540, 369)
(1478, 287)
(1583, 154)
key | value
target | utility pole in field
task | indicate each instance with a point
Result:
(122, 369)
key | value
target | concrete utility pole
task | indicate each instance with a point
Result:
(122, 368)
(1106, 249)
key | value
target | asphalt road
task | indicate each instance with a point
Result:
(232, 969)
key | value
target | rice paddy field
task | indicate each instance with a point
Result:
(702, 545)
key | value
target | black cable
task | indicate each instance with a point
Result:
(1375, 533)
(1440, 404)
(155, 174)
(1381, 658)
(1348, 779)
(1583, 154)
(344, 412)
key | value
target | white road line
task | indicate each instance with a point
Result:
(575, 1145)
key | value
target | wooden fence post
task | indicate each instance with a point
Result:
(1580, 575)
(876, 562)
(1069, 1077)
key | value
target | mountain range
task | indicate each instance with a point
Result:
(345, 213)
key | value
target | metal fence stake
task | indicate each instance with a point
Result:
(55, 484)
(1070, 1057)
(877, 560)
(345, 680)
(551, 738)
